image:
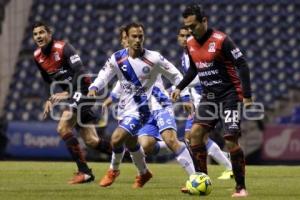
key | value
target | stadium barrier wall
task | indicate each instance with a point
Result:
(281, 143)
(35, 140)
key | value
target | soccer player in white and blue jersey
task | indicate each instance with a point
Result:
(149, 136)
(137, 70)
(213, 149)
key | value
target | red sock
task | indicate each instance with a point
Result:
(238, 166)
(104, 146)
(200, 158)
(76, 152)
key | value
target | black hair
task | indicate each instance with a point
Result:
(194, 9)
(121, 30)
(183, 28)
(135, 25)
(40, 23)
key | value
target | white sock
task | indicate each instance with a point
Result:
(163, 149)
(116, 159)
(138, 158)
(184, 158)
(217, 154)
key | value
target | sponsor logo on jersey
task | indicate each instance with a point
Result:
(166, 66)
(130, 88)
(56, 56)
(208, 73)
(75, 58)
(210, 83)
(212, 47)
(236, 53)
(202, 65)
(124, 68)
(122, 104)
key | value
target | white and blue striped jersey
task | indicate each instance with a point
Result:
(137, 77)
(158, 100)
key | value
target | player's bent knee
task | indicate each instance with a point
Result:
(199, 128)
(91, 142)
(199, 132)
(117, 140)
(170, 141)
(169, 136)
(148, 148)
(231, 142)
(63, 130)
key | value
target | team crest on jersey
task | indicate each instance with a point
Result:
(56, 56)
(212, 47)
(217, 36)
(41, 60)
(146, 70)
(191, 49)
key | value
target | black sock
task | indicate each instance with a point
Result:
(104, 146)
(76, 152)
(200, 158)
(238, 167)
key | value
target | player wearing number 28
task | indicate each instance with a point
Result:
(224, 76)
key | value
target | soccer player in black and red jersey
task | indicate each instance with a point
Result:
(59, 63)
(224, 76)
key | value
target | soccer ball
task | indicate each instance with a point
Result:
(199, 184)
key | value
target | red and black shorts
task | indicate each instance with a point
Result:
(82, 105)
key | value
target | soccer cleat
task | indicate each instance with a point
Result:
(141, 180)
(240, 193)
(226, 175)
(81, 177)
(109, 177)
(184, 190)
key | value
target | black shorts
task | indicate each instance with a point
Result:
(228, 112)
(82, 106)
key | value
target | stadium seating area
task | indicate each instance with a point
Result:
(293, 118)
(266, 31)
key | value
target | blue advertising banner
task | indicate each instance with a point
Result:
(35, 140)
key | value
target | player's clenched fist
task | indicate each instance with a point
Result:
(175, 94)
(47, 108)
(92, 93)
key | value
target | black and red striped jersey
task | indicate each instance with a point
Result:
(220, 65)
(58, 61)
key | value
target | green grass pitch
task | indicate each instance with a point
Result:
(48, 180)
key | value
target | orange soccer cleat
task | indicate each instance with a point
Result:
(141, 180)
(109, 177)
(184, 190)
(81, 177)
